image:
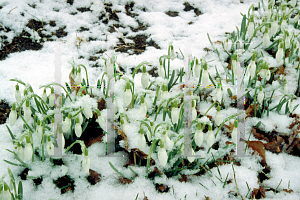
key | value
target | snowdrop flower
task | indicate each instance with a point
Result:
(175, 112)
(218, 94)
(162, 154)
(143, 107)
(266, 39)
(158, 93)
(27, 111)
(17, 94)
(293, 3)
(285, 88)
(161, 70)
(149, 136)
(44, 96)
(191, 159)
(51, 98)
(78, 129)
(52, 124)
(268, 12)
(251, 26)
(141, 139)
(198, 135)
(166, 140)
(194, 112)
(268, 73)
(78, 77)
(234, 63)
(12, 115)
(28, 150)
(260, 96)
(87, 111)
(86, 162)
(145, 78)
(171, 51)
(274, 26)
(252, 66)
(20, 152)
(279, 54)
(287, 42)
(39, 129)
(50, 147)
(227, 45)
(67, 123)
(218, 117)
(272, 2)
(283, 25)
(164, 94)
(197, 68)
(234, 133)
(80, 118)
(205, 76)
(60, 135)
(128, 94)
(210, 138)
(101, 121)
(5, 193)
(291, 106)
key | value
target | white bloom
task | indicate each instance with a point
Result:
(191, 159)
(287, 42)
(149, 136)
(80, 118)
(39, 132)
(101, 121)
(51, 99)
(78, 129)
(293, 3)
(27, 113)
(12, 117)
(175, 115)
(260, 96)
(17, 94)
(20, 152)
(279, 55)
(234, 135)
(141, 140)
(86, 162)
(198, 135)
(218, 118)
(172, 53)
(61, 135)
(162, 155)
(274, 27)
(252, 68)
(227, 45)
(67, 123)
(218, 94)
(143, 109)
(283, 25)
(285, 89)
(161, 71)
(87, 111)
(28, 150)
(145, 80)
(205, 78)
(44, 96)
(268, 74)
(5, 193)
(167, 141)
(194, 113)
(78, 77)
(50, 147)
(251, 29)
(210, 138)
(266, 40)
(128, 96)
(197, 69)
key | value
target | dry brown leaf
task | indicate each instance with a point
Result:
(218, 42)
(184, 178)
(250, 110)
(94, 177)
(258, 146)
(101, 104)
(136, 156)
(258, 134)
(162, 188)
(288, 191)
(125, 180)
(123, 136)
(233, 97)
(258, 193)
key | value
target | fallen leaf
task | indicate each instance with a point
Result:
(94, 177)
(136, 156)
(218, 42)
(125, 180)
(123, 136)
(233, 97)
(162, 188)
(250, 110)
(258, 134)
(258, 193)
(101, 104)
(154, 173)
(288, 191)
(258, 146)
(183, 178)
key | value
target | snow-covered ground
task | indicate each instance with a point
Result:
(188, 32)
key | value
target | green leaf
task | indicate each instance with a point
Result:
(137, 67)
(12, 178)
(20, 191)
(243, 27)
(11, 163)
(84, 126)
(147, 125)
(153, 146)
(68, 88)
(19, 81)
(11, 135)
(171, 80)
(113, 167)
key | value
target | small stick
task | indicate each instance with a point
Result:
(12, 9)
(120, 34)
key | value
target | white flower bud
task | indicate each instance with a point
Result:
(194, 112)
(162, 154)
(205, 78)
(210, 138)
(44, 96)
(274, 27)
(285, 88)
(218, 95)
(101, 121)
(27, 111)
(283, 25)
(20, 152)
(67, 123)
(39, 132)
(145, 78)
(28, 150)
(78, 78)
(251, 29)
(141, 140)
(80, 118)
(293, 3)
(291, 106)
(78, 129)
(260, 96)
(287, 42)
(51, 98)
(17, 94)
(218, 117)
(172, 53)
(198, 135)
(235, 134)
(227, 45)
(167, 141)
(266, 39)
(175, 113)
(12, 116)
(161, 70)
(86, 162)
(143, 107)
(5, 193)
(50, 147)
(87, 111)
(197, 68)
(191, 159)
(279, 54)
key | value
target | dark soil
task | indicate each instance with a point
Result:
(4, 111)
(65, 183)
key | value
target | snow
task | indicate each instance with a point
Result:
(37, 68)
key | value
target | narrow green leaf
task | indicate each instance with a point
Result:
(11, 163)
(20, 191)
(171, 80)
(113, 167)
(243, 27)
(11, 135)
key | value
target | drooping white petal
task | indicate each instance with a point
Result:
(86, 163)
(219, 95)
(194, 113)
(12, 117)
(198, 137)
(260, 97)
(191, 159)
(143, 109)
(87, 111)
(39, 132)
(174, 115)
(162, 156)
(210, 138)
(279, 55)
(167, 142)
(234, 135)
(141, 141)
(51, 100)
(266, 40)
(161, 71)
(205, 78)
(251, 29)
(218, 118)
(145, 80)
(28, 152)
(128, 96)
(18, 95)
(78, 130)
(50, 148)
(27, 114)
(20, 152)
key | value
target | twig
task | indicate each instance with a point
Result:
(120, 35)
(12, 9)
